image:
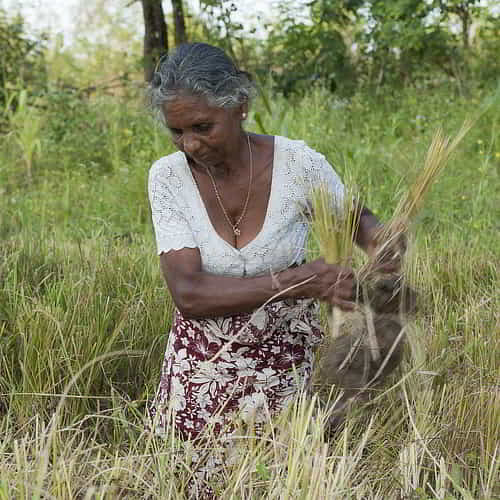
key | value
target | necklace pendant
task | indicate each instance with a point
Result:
(236, 229)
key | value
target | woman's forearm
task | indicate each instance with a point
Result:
(205, 295)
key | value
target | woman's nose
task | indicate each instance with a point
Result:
(190, 143)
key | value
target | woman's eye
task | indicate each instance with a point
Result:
(202, 127)
(176, 132)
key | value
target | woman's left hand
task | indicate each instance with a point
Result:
(386, 251)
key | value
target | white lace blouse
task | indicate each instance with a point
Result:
(180, 218)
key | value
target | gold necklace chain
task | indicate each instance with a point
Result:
(235, 228)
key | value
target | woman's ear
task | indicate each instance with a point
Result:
(244, 110)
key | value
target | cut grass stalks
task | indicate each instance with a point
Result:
(333, 225)
(334, 235)
(438, 155)
(352, 360)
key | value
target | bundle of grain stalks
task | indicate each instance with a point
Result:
(363, 345)
(437, 157)
(366, 345)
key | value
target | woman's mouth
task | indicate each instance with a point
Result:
(204, 161)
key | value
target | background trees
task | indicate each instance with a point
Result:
(403, 42)
(179, 22)
(155, 35)
(22, 59)
(156, 31)
(342, 45)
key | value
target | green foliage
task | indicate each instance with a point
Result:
(21, 59)
(26, 123)
(74, 120)
(485, 63)
(348, 44)
(219, 27)
(81, 292)
(464, 10)
(401, 47)
(77, 134)
(311, 52)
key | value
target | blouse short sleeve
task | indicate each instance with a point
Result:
(171, 226)
(320, 174)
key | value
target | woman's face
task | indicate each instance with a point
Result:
(209, 136)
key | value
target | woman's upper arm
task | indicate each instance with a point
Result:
(180, 268)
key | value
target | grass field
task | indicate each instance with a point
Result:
(84, 313)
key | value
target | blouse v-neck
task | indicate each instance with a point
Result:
(181, 220)
(274, 167)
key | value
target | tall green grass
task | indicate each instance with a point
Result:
(84, 314)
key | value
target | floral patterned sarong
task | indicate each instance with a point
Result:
(249, 365)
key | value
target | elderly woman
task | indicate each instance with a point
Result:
(228, 213)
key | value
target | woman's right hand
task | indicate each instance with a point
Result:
(331, 283)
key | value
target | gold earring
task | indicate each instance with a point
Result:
(243, 115)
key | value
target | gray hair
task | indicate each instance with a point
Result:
(199, 69)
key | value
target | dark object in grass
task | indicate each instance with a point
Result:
(390, 295)
(348, 362)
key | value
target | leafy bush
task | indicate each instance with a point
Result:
(303, 54)
(21, 57)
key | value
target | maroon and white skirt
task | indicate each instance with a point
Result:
(246, 365)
